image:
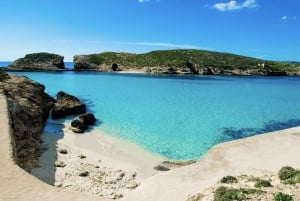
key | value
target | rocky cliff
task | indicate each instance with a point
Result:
(184, 62)
(38, 62)
(29, 108)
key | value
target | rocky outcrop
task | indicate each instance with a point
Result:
(29, 108)
(39, 62)
(82, 124)
(67, 104)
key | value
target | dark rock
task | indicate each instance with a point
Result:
(84, 174)
(28, 107)
(63, 151)
(38, 62)
(67, 105)
(81, 124)
(78, 126)
(60, 164)
(161, 168)
(88, 118)
(277, 73)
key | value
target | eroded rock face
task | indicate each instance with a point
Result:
(38, 62)
(67, 105)
(29, 108)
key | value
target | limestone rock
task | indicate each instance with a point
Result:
(84, 174)
(82, 124)
(38, 62)
(67, 105)
(29, 108)
(88, 118)
(59, 164)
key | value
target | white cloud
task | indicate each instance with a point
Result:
(285, 17)
(145, 44)
(234, 5)
(143, 1)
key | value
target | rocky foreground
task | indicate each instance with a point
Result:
(29, 107)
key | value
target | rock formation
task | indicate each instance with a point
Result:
(184, 62)
(38, 62)
(67, 105)
(81, 124)
(29, 108)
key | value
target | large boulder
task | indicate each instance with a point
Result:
(67, 104)
(28, 107)
(39, 62)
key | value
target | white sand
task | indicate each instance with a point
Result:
(115, 166)
(257, 155)
(18, 185)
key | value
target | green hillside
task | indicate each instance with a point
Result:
(186, 58)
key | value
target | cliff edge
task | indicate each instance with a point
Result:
(29, 107)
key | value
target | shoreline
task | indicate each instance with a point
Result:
(258, 155)
(115, 166)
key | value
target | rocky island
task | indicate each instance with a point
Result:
(38, 62)
(184, 61)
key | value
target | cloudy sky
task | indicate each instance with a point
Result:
(257, 28)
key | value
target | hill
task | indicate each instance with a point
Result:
(184, 62)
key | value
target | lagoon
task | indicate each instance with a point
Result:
(181, 117)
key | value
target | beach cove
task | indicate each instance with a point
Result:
(258, 155)
(112, 168)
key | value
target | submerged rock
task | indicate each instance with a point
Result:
(38, 62)
(67, 105)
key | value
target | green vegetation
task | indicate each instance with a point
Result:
(229, 180)
(262, 183)
(282, 197)
(289, 175)
(190, 58)
(225, 194)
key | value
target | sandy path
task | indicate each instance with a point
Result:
(18, 185)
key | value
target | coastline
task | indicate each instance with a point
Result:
(114, 166)
(258, 155)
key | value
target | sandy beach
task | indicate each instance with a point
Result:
(95, 166)
(114, 166)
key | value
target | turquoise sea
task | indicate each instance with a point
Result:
(181, 117)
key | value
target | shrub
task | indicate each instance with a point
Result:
(229, 180)
(224, 194)
(282, 197)
(262, 183)
(289, 175)
(286, 172)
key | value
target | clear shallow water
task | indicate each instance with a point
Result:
(182, 117)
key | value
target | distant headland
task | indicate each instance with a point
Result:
(181, 61)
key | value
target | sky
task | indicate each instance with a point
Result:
(266, 29)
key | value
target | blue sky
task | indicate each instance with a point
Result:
(257, 28)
